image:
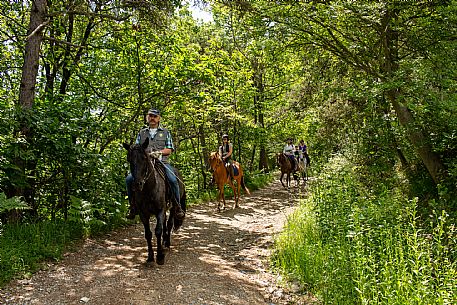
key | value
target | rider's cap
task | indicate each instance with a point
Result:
(225, 136)
(153, 111)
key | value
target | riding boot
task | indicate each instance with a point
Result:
(230, 170)
(179, 213)
(132, 210)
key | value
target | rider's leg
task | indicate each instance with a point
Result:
(173, 180)
(229, 167)
(294, 163)
(132, 208)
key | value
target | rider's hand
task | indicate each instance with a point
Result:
(156, 154)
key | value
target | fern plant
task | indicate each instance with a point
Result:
(13, 203)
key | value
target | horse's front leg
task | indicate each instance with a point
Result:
(148, 236)
(280, 179)
(221, 197)
(168, 224)
(159, 231)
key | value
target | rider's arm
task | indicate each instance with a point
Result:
(169, 148)
(220, 152)
(166, 151)
(230, 151)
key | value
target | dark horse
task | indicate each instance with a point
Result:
(287, 168)
(153, 196)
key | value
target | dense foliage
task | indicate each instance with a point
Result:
(371, 83)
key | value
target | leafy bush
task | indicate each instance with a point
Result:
(9, 204)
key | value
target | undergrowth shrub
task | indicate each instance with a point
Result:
(352, 245)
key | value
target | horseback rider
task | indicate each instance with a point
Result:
(289, 151)
(226, 151)
(160, 141)
(304, 150)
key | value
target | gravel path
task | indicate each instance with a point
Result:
(216, 258)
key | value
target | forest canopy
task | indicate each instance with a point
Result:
(374, 80)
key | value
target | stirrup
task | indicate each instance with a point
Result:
(179, 213)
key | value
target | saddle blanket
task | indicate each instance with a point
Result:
(235, 170)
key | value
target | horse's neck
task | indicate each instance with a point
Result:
(287, 163)
(220, 171)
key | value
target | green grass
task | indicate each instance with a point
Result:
(24, 247)
(349, 244)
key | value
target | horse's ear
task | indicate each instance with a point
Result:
(126, 146)
(145, 143)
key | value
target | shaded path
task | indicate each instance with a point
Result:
(216, 258)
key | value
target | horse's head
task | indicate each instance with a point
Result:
(279, 158)
(214, 160)
(139, 163)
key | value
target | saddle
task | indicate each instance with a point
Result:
(234, 169)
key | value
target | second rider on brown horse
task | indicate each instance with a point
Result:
(226, 151)
(289, 151)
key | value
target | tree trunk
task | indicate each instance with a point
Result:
(32, 53)
(259, 100)
(26, 100)
(430, 159)
(204, 164)
(416, 136)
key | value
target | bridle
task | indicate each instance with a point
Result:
(150, 167)
(215, 160)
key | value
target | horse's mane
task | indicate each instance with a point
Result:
(158, 166)
(282, 158)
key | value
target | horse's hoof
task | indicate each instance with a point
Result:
(160, 259)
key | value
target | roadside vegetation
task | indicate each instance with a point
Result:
(349, 243)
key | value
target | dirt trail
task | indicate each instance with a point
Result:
(216, 258)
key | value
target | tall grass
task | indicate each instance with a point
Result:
(24, 246)
(352, 245)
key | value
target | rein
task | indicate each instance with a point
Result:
(162, 173)
(148, 172)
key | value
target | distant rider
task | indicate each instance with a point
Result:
(304, 150)
(289, 151)
(226, 151)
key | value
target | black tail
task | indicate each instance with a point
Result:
(183, 201)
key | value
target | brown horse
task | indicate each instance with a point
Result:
(286, 167)
(222, 177)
